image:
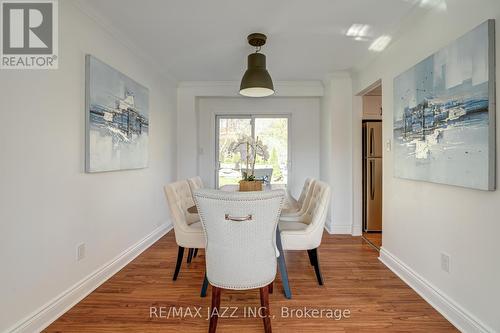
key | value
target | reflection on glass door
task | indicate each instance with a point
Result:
(271, 130)
(229, 130)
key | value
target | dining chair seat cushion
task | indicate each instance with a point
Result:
(191, 237)
(293, 218)
(285, 226)
(192, 218)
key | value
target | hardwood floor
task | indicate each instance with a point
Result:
(374, 237)
(354, 280)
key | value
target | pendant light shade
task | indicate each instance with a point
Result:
(256, 81)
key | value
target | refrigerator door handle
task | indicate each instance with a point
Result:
(371, 141)
(372, 188)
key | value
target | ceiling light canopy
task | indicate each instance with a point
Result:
(256, 81)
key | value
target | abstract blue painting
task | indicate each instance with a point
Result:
(117, 119)
(444, 114)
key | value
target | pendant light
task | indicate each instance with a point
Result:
(256, 81)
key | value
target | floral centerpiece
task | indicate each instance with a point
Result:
(249, 149)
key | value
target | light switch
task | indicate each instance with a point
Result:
(388, 145)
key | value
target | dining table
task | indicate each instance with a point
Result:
(281, 258)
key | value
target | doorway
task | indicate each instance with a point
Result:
(372, 166)
(272, 130)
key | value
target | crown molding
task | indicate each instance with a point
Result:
(89, 11)
(231, 88)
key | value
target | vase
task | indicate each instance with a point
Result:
(251, 185)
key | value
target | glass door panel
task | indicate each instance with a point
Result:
(273, 132)
(229, 130)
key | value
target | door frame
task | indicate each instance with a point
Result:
(252, 117)
(358, 189)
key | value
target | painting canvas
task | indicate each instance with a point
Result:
(444, 114)
(117, 119)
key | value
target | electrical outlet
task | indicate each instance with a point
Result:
(445, 262)
(80, 252)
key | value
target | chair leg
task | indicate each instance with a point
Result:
(180, 254)
(314, 255)
(195, 253)
(264, 303)
(190, 256)
(271, 287)
(204, 287)
(310, 258)
(214, 310)
(282, 265)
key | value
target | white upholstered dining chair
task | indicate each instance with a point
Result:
(298, 206)
(187, 227)
(304, 232)
(195, 183)
(240, 229)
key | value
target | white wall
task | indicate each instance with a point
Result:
(303, 131)
(48, 205)
(422, 219)
(188, 122)
(336, 150)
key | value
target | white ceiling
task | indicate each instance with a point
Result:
(206, 39)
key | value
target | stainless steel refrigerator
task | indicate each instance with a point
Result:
(372, 176)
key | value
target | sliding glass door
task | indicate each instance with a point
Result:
(271, 130)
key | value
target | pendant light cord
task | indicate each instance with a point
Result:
(257, 49)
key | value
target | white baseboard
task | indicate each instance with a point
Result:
(327, 227)
(459, 317)
(48, 313)
(357, 230)
(344, 229)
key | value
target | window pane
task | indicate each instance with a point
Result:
(274, 134)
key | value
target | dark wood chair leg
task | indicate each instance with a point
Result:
(314, 255)
(271, 287)
(195, 253)
(264, 303)
(214, 310)
(180, 254)
(190, 256)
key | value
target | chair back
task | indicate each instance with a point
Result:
(179, 199)
(195, 183)
(305, 190)
(307, 197)
(317, 209)
(240, 231)
(317, 212)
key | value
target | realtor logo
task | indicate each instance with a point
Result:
(29, 34)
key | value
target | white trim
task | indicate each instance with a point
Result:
(231, 88)
(339, 229)
(52, 310)
(458, 316)
(356, 230)
(315, 84)
(327, 227)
